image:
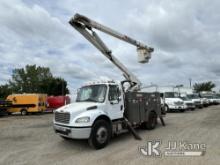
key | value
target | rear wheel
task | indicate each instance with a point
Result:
(163, 110)
(152, 121)
(24, 112)
(100, 134)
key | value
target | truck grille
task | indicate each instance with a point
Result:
(63, 117)
(179, 103)
(197, 102)
(189, 104)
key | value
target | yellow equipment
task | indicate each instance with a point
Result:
(27, 103)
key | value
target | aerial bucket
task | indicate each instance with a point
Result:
(143, 55)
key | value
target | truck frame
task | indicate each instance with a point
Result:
(104, 109)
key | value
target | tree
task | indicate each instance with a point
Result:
(205, 86)
(55, 86)
(5, 90)
(33, 79)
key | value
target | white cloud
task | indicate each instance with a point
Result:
(185, 35)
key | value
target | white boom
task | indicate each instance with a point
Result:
(85, 26)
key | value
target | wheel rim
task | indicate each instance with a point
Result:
(102, 135)
(166, 108)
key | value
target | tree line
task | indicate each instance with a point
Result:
(37, 79)
(34, 79)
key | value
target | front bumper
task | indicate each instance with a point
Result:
(177, 107)
(73, 132)
(198, 105)
(190, 106)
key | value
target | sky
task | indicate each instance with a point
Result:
(184, 34)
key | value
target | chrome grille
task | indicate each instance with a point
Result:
(62, 117)
(179, 103)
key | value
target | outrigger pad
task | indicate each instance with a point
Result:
(162, 121)
(132, 130)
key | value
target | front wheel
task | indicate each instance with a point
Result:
(100, 134)
(166, 108)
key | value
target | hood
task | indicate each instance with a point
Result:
(76, 107)
(198, 99)
(188, 101)
(174, 99)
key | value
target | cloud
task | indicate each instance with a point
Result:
(185, 35)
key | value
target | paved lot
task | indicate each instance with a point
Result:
(30, 140)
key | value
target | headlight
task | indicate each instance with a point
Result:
(83, 120)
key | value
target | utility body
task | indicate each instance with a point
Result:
(107, 108)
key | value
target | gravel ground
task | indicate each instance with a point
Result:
(30, 140)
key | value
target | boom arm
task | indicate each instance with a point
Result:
(84, 25)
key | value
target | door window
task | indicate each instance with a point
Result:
(113, 92)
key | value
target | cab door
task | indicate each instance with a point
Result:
(115, 102)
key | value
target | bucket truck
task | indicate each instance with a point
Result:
(105, 109)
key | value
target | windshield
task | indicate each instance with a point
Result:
(185, 98)
(207, 96)
(193, 96)
(171, 95)
(94, 93)
(216, 96)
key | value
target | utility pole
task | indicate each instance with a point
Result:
(190, 82)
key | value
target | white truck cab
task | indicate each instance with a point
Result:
(196, 100)
(189, 104)
(173, 102)
(93, 101)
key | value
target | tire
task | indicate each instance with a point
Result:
(24, 112)
(166, 108)
(192, 109)
(152, 121)
(100, 134)
(182, 110)
(163, 110)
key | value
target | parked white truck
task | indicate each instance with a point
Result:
(189, 104)
(105, 109)
(172, 101)
(196, 99)
(191, 95)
